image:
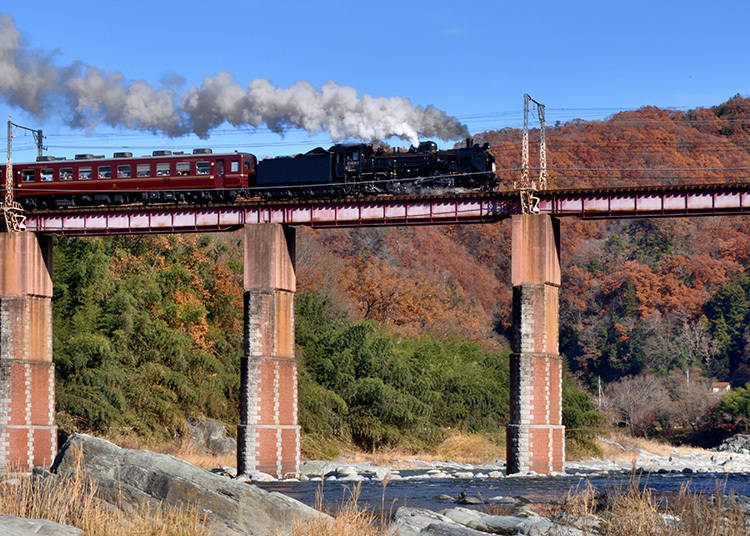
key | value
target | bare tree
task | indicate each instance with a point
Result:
(640, 402)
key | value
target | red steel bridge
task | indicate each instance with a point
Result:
(592, 203)
(268, 433)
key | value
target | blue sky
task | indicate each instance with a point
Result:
(472, 60)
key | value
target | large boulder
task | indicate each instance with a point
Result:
(19, 526)
(408, 521)
(129, 478)
(211, 436)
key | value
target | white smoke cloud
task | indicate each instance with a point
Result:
(87, 96)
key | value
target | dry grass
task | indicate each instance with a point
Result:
(633, 444)
(349, 520)
(459, 447)
(634, 511)
(71, 500)
(182, 448)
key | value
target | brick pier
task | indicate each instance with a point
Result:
(536, 437)
(268, 434)
(28, 435)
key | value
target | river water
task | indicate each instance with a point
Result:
(422, 493)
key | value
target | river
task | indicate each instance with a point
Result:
(423, 492)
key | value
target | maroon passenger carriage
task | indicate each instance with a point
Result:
(163, 177)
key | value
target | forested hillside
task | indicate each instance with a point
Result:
(402, 331)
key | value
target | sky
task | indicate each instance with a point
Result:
(472, 60)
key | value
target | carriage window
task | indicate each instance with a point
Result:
(144, 170)
(48, 175)
(27, 175)
(355, 156)
(105, 172)
(247, 165)
(183, 168)
(162, 170)
(84, 173)
(124, 171)
(203, 168)
(66, 174)
(234, 166)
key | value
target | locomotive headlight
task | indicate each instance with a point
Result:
(494, 167)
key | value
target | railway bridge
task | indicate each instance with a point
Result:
(268, 434)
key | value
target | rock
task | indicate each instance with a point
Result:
(496, 474)
(352, 478)
(211, 436)
(444, 497)
(737, 443)
(316, 467)
(463, 474)
(502, 499)
(438, 529)
(484, 522)
(128, 479)
(533, 525)
(346, 470)
(19, 526)
(409, 521)
(470, 499)
(587, 523)
(260, 476)
(439, 474)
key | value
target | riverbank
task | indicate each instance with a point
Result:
(104, 489)
(620, 454)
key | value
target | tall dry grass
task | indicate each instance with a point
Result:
(349, 520)
(71, 500)
(635, 511)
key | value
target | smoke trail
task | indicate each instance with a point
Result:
(87, 96)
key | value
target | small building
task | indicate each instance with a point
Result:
(721, 387)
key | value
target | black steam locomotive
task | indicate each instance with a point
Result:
(361, 170)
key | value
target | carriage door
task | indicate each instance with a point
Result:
(220, 174)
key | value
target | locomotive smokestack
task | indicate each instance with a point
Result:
(88, 97)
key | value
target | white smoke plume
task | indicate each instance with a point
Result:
(86, 97)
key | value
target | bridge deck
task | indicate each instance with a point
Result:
(635, 202)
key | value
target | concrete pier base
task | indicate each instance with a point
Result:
(535, 434)
(268, 437)
(28, 435)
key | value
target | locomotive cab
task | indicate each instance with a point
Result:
(347, 161)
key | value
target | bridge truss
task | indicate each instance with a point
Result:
(600, 203)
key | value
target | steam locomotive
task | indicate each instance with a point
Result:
(360, 170)
(204, 177)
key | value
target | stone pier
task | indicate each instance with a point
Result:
(535, 435)
(268, 437)
(28, 435)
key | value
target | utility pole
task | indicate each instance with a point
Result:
(526, 187)
(12, 209)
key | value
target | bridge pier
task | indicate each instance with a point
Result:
(28, 435)
(268, 437)
(535, 434)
